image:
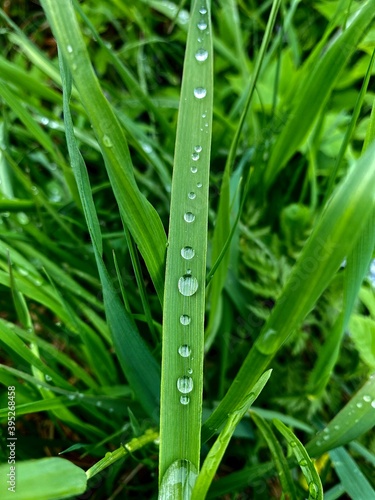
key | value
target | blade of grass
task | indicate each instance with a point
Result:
(331, 241)
(137, 362)
(141, 218)
(184, 302)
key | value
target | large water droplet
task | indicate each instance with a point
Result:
(192, 195)
(201, 55)
(184, 400)
(185, 319)
(202, 25)
(195, 156)
(313, 490)
(184, 351)
(185, 384)
(200, 92)
(107, 141)
(194, 170)
(187, 253)
(187, 285)
(189, 217)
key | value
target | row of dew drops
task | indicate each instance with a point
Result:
(187, 284)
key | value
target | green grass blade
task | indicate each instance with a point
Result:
(217, 450)
(136, 360)
(141, 218)
(278, 456)
(186, 257)
(352, 479)
(304, 461)
(315, 91)
(331, 241)
(356, 418)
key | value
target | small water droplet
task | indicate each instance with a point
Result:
(190, 371)
(192, 195)
(107, 141)
(44, 121)
(199, 184)
(185, 384)
(99, 403)
(187, 285)
(359, 405)
(200, 92)
(201, 55)
(48, 377)
(69, 48)
(111, 410)
(194, 170)
(373, 403)
(313, 490)
(202, 25)
(189, 217)
(293, 444)
(187, 253)
(204, 115)
(195, 156)
(198, 149)
(184, 351)
(185, 319)
(203, 11)
(71, 396)
(366, 399)
(184, 400)
(336, 427)
(303, 463)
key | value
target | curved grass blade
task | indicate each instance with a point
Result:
(184, 301)
(278, 457)
(304, 461)
(141, 218)
(331, 241)
(217, 451)
(136, 360)
(315, 91)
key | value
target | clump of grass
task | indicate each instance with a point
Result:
(188, 242)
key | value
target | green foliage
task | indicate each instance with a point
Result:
(245, 133)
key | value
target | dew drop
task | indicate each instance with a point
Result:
(189, 217)
(303, 463)
(293, 444)
(201, 55)
(199, 185)
(184, 351)
(373, 403)
(359, 405)
(48, 378)
(192, 195)
(313, 490)
(187, 253)
(107, 141)
(184, 400)
(69, 48)
(195, 156)
(202, 25)
(187, 285)
(99, 403)
(185, 319)
(190, 371)
(203, 10)
(366, 399)
(185, 384)
(71, 397)
(44, 121)
(194, 170)
(200, 92)
(198, 149)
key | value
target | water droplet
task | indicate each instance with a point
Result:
(192, 195)
(313, 490)
(195, 156)
(111, 410)
(147, 148)
(34, 190)
(187, 253)
(107, 141)
(198, 149)
(99, 403)
(69, 48)
(185, 319)
(203, 10)
(187, 285)
(204, 115)
(184, 400)
(184, 351)
(200, 92)
(201, 55)
(336, 427)
(359, 405)
(293, 444)
(199, 184)
(190, 371)
(185, 384)
(366, 399)
(71, 396)
(202, 25)
(48, 377)
(44, 121)
(189, 217)
(373, 403)
(194, 170)
(303, 463)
